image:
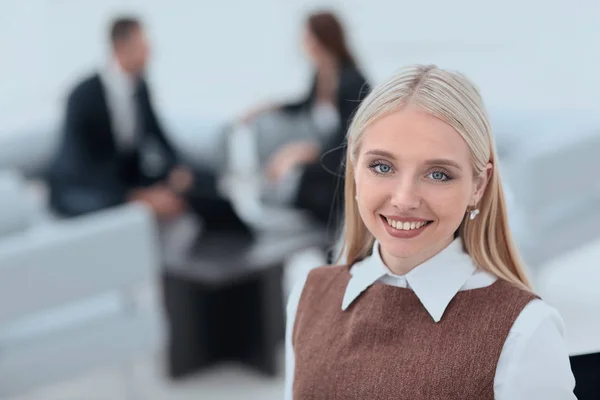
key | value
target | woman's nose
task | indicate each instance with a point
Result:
(406, 195)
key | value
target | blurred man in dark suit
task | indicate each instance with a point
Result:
(113, 149)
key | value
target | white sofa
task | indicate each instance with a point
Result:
(569, 282)
(554, 199)
(75, 295)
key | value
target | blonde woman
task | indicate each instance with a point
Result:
(434, 302)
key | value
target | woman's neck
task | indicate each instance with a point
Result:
(327, 81)
(327, 64)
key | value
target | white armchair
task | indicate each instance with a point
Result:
(70, 293)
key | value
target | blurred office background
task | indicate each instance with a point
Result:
(536, 62)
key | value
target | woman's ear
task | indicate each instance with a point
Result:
(481, 182)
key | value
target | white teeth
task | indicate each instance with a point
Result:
(405, 226)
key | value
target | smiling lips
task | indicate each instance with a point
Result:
(404, 227)
(406, 224)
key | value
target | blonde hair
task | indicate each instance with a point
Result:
(454, 99)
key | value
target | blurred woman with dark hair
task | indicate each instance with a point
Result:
(300, 144)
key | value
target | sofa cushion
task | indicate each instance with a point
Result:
(15, 207)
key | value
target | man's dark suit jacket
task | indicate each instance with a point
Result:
(90, 172)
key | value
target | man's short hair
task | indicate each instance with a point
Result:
(122, 28)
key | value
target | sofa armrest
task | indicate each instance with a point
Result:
(57, 263)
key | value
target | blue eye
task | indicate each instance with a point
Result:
(383, 169)
(439, 176)
(380, 168)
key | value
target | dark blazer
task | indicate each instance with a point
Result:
(89, 172)
(321, 185)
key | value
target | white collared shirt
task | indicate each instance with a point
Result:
(120, 91)
(534, 363)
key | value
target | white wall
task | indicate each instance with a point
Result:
(214, 59)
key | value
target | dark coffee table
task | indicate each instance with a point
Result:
(224, 299)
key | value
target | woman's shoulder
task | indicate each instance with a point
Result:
(535, 314)
(322, 275)
(528, 309)
(327, 270)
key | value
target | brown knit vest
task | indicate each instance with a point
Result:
(387, 346)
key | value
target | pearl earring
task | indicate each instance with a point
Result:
(356, 197)
(474, 214)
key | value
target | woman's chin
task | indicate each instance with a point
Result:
(398, 250)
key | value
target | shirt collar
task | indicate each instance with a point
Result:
(118, 79)
(435, 282)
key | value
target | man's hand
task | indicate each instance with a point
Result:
(291, 156)
(180, 179)
(161, 200)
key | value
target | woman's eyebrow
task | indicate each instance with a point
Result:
(381, 153)
(443, 162)
(435, 161)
